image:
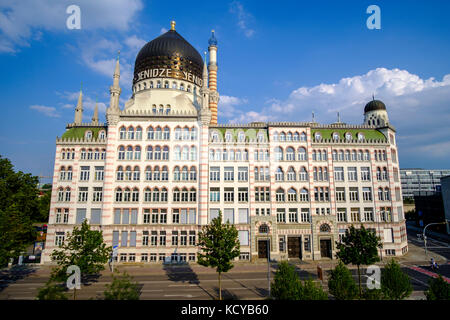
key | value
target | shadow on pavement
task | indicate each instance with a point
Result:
(15, 273)
(184, 273)
(226, 295)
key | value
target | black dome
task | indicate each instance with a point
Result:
(374, 105)
(169, 51)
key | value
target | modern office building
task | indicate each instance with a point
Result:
(420, 180)
(161, 167)
(445, 183)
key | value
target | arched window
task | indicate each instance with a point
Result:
(147, 194)
(387, 194)
(184, 174)
(292, 195)
(128, 173)
(290, 154)
(69, 173)
(166, 85)
(302, 156)
(121, 153)
(324, 227)
(283, 136)
(296, 136)
(137, 153)
(148, 173)
(264, 228)
(158, 84)
(193, 174)
(192, 195)
(120, 173)
(67, 195)
(184, 195)
(228, 136)
(193, 153)
(149, 153)
(138, 133)
(155, 194)
(186, 133)
(361, 136)
(275, 136)
(304, 195)
(119, 195)
(279, 195)
(122, 134)
(303, 174)
(185, 153)
(157, 154)
(335, 136)
(102, 135)
(136, 174)
(130, 133)
(129, 153)
(215, 136)
(241, 136)
(348, 136)
(166, 134)
(176, 174)
(279, 174)
(62, 173)
(278, 153)
(380, 194)
(318, 136)
(150, 133)
(289, 136)
(164, 195)
(158, 135)
(291, 174)
(303, 136)
(194, 134)
(164, 174)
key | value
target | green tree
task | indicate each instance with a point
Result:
(359, 247)
(219, 245)
(84, 248)
(311, 290)
(372, 294)
(395, 284)
(18, 209)
(51, 291)
(341, 284)
(122, 288)
(439, 289)
(44, 206)
(286, 284)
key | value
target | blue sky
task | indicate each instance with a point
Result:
(278, 61)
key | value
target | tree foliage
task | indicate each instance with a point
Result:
(84, 248)
(51, 291)
(439, 289)
(122, 288)
(219, 245)
(19, 207)
(341, 284)
(359, 247)
(286, 284)
(395, 284)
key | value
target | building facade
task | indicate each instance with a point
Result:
(445, 183)
(420, 180)
(161, 167)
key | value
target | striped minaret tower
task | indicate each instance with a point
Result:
(212, 77)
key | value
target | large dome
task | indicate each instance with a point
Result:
(172, 53)
(374, 105)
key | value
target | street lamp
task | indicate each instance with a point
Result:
(425, 238)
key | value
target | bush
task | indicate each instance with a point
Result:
(121, 288)
(372, 294)
(311, 290)
(395, 284)
(286, 284)
(341, 284)
(439, 289)
(52, 291)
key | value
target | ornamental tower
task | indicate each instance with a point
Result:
(212, 76)
(375, 113)
(79, 109)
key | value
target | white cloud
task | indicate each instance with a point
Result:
(163, 30)
(227, 106)
(243, 18)
(47, 111)
(24, 20)
(135, 43)
(418, 108)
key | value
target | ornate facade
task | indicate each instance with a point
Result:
(161, 168)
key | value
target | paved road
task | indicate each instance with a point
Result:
(436, 246)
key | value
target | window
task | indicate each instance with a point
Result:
(281, 215)
(318, 136)
(243, 194)
(348, 136)
(339, 173)
(82, 194)
(365, 173)
(368, 214)
(301, 152)
(229, 195)
(228, 173)
(214, 195)
(279, 174)
(84, 173)
(242, 174)
(99, 173)
(335, 136)
(264, 228)
(292, 195)
(278, 153)
(291, 175)
(367, 193)
(280, 195)
(293, 217)
(98, 194)
(303, 174)
(353, 194)
(59, 238)
(352, 174)
(342, 215)
(340, 194)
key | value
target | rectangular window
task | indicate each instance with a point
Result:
(305, 215)
(367, 193)
(81, 215)
(213, 213)
(192, 238)
(342, 215)
(175, 215)
(388, 235)
(84, 173)
(214, 194)
(183, 238)
(124, 239)
(242, 174)
(365, 174)
(352, 174)
(243, 215)
(174, 238)
(66, 216)
(355, 214)
(115, 241)
(340, 194)
(145, 238)
(339, 173)
(214, 174)
(307, 243)
(125, 216)
(368, 214)
(229, 174)
(281, 215)
(82, 194)
(96, 216)
(228, 216)
(353, 194)
(243, 237)
(243, 194)
(229, 195)
(133, 239)
(162, 238)
(293, 215)
(192, 216)
(99, 173)
(98, 194)
(59, 238)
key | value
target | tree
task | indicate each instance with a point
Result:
(44, 206)
(395, 284)
(51, 291)
(439, 289)
(311, 290)
(122, 288)
(359, 247)
(84, 248)
(341, 284)
(219, 245)
(286, 284)
(18, 209)
(372, 294)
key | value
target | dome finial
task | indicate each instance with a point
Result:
(212, 41)
(172, 25)
(118, 54)
(373, 97)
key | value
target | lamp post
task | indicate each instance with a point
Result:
(425, 238)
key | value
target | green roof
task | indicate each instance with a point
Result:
(368, 133)
(74, 133)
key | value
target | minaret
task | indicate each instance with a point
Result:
(95, 117)
(205, 112)
(112, 113)
(115, 89)
(212, 77)
(79, 109)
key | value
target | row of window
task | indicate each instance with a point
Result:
(89, 154)
(159, 85)
(156, 195)
(156, 174)
(157, 153)
(228, 155)
(289, 136)
(337, 137)
(216, 136)
(158, 133)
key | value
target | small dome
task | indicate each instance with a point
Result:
(374, 105)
